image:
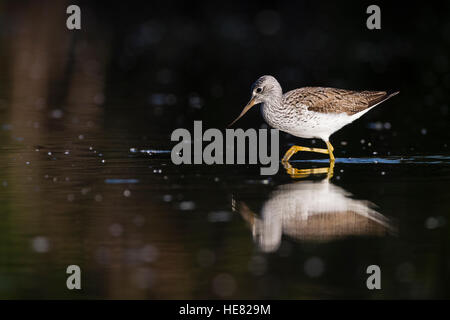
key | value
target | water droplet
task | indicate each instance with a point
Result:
(56, 114)
(139, 220)
(314, 267)
(99, 99)
(116, 230)
(432, 223)
(149, 253)
(224, 285)
(40, 244)
(219, 216)
(187, 205)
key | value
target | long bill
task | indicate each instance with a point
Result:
(244, 111)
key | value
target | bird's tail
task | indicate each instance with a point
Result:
(385, 97)
(390, 95)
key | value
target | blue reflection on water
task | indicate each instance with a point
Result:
(433, 159)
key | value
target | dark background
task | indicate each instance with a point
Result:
(165, 63)
(73, 104)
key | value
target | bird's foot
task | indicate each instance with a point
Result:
(303, 173)
(294, 149)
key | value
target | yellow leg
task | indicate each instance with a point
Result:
(330, 151)
(294, 149)
(303, 173)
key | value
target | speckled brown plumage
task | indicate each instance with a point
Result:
(331, 100)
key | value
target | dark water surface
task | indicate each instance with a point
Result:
(86, 177)
(141, 227)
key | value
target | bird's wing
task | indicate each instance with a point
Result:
(331, 100)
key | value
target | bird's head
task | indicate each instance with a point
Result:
(265, 90)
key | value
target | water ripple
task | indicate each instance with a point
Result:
(431, 159)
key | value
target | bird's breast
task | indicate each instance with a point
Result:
(299, 121)
(279, 117)
(293, 120)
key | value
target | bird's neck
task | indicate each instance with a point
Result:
(272, 108)
(274, 101)
(273, 104)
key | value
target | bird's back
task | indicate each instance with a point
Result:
(332, 100)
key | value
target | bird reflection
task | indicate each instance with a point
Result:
(296, 173)
(312, 211)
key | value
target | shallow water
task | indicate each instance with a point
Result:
(86, 177)
(141, 227)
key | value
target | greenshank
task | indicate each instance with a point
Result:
(311, 112)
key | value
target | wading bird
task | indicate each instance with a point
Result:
(311, 112)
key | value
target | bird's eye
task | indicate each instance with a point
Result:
(258, 90)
